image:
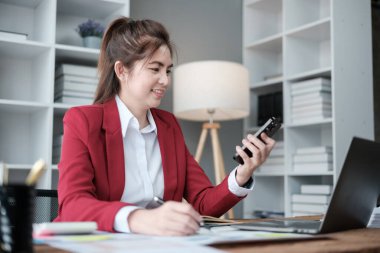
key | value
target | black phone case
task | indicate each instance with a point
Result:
(270, 128)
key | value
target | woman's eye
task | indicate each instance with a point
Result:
(155, 69)
(168, 72)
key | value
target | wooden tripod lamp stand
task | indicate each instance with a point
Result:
(207, 91)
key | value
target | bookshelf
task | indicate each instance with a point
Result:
(29, 117)
(292, 41)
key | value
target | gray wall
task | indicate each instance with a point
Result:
(201, 30)
(376, 64)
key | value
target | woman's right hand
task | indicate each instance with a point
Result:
(170, 219)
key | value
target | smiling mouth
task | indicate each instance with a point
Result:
(158, 91)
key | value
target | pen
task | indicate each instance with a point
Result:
(3, 174)
(36, 172)
(160, 201)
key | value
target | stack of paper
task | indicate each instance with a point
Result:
(75, 84)
(312, 200)
(275, 161)
(374, 222)
(313, 159)
(311, 100)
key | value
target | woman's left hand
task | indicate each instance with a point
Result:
(260, 152)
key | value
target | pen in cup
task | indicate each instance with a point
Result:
(160, 201)
(3, 174)
(36, 172)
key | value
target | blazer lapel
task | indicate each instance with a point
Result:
(165, 135)
(114, 150)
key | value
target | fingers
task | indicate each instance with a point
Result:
(260, 149)
(172, 218)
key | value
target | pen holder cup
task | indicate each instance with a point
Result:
(16, 218)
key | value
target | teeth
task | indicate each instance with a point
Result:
(158, 90)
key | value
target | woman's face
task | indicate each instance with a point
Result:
(146, 85)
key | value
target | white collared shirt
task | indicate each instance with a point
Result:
(144, 177)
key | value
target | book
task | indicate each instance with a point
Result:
(76, 70)
(311, 158)
(311, 198)
(269, 105)
(74, 100)
(316, 189)
(271, 168)
(61, 84)
(70, 93)
(315, 208)
(78, 79)
(315, 82)
(325, 96)
(277, 151)
(311, 101)
(311, 108)
(12, 35)
(310, 90)
(312, 167)
(275, 160)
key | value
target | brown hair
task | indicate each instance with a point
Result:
(128, 41)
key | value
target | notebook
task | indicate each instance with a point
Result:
(355, 195)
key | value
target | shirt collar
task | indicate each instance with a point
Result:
(126, 116)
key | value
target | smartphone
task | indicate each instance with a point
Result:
(270, 128)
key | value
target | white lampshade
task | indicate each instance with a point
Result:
(211, 85)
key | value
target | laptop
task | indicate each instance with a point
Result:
(355, 195)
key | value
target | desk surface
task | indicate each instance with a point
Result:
(358, 240)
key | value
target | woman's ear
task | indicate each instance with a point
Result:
(120, 70)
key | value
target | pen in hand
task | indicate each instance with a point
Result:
(160, 202)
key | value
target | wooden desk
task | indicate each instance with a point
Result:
(358, 240)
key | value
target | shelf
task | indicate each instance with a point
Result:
(300, 12)
(265, 60)
(274, 83)
(76, 55)
(318, 31)
(37, 27)
(313, 173)
(24, 49)
(23, 3)
(96, 9)
(14, 106)
(308, 48)
(29, 117)
(272, 43)
(269, 174)
(271, 10)
(298, 40)
(320, 72)
(327, 121)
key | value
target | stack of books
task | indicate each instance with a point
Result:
(75, 84)
(311, 100)
(57, 144)
(313, 159)
(313, 200)
(275, 161)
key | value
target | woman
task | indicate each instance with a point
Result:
(120, 152)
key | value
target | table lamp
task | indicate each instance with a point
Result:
(211, 91)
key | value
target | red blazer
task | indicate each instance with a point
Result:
(91, 170)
